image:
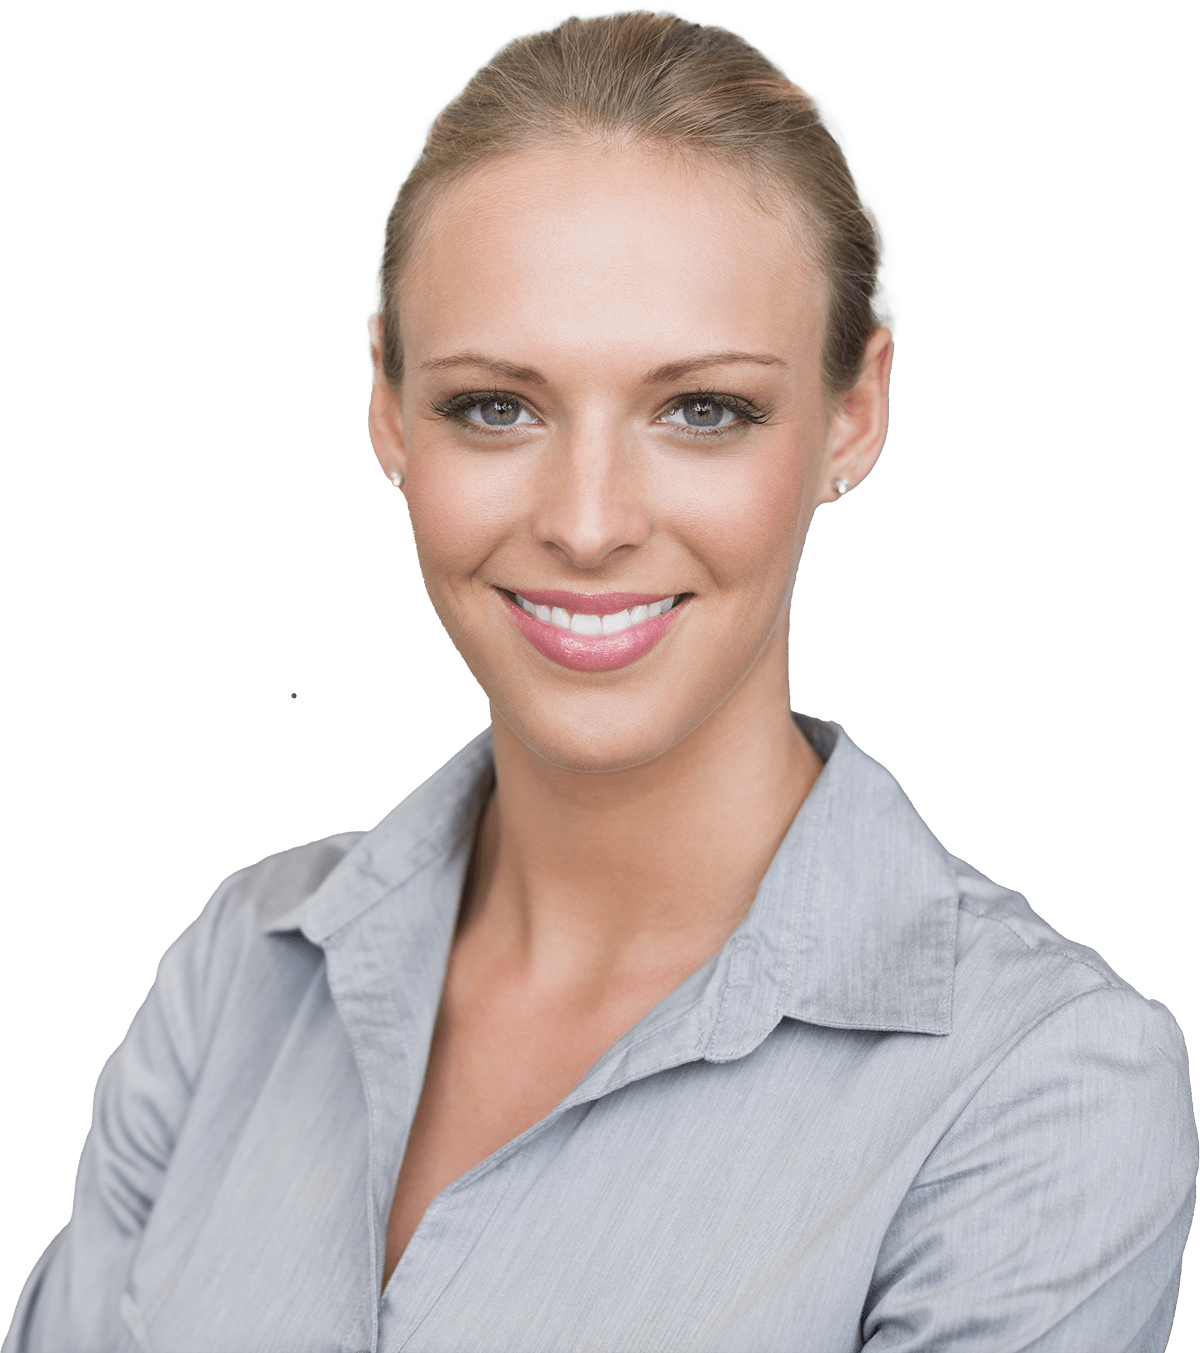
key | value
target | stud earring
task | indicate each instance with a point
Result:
(842, 486)
(397, 478)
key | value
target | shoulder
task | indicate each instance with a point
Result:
(227, 947)
(998, 926)
(1018, 978)
(1059, 1187)
(260, 894)
(251, 901)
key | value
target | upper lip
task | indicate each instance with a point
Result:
(590, 603)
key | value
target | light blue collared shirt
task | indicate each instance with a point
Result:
(896, 1111)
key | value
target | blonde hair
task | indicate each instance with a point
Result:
(655, 80)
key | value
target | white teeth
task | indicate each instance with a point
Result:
(595, 624)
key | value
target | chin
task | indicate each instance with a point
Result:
(603, 736)
(593, 757)
(608, 721)
(591, 752)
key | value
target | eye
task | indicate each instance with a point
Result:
(483, 412)
(701, 412)
(499, 411)
(698, 412)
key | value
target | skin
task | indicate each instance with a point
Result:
(635, 810)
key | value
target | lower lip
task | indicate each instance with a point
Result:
(592, 652)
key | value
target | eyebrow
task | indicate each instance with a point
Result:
(670, 372)
(511, 371)
(667, 374)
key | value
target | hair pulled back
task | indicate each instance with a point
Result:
(656, 80)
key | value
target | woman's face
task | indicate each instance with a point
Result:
(612, 407)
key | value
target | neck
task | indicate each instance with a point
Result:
(590, 877)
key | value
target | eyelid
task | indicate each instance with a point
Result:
(457, 406)
(746, 409)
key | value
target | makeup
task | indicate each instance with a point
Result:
(593, 632)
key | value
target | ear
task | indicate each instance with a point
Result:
(861, 420)
(383, 417)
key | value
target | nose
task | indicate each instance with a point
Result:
(591, 506)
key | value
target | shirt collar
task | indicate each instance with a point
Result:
(438, 819)
(855, 923)
(853, 927)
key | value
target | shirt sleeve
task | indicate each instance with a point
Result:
(1051, 1217)
(72, 1302)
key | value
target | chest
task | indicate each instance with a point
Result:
(499, 1062)
(704, 1207)
(671, 1205)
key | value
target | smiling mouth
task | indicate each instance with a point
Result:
(596, 640)
(595, 625)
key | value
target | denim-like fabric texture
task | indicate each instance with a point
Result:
(896, 1112)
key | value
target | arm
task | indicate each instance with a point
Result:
(1051, 1218)
(71, 1302)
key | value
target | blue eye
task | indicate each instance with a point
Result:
(495, 409)
(499, 411)
(699, 412)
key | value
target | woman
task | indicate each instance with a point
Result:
(656, 1019)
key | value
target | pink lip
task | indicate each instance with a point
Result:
(592, 652)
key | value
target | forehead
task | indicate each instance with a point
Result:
(600, 249)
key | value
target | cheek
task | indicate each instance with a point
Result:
(748, 523)
(460, 509)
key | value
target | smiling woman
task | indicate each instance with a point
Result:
(607, 386)
(657, 1019)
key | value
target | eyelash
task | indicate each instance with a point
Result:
(746, 412)
(456, 408)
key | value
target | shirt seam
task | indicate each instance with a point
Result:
(697, 1046)
(1110, 979)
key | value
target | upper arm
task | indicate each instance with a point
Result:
(72, 1298)
(1052, 1215)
